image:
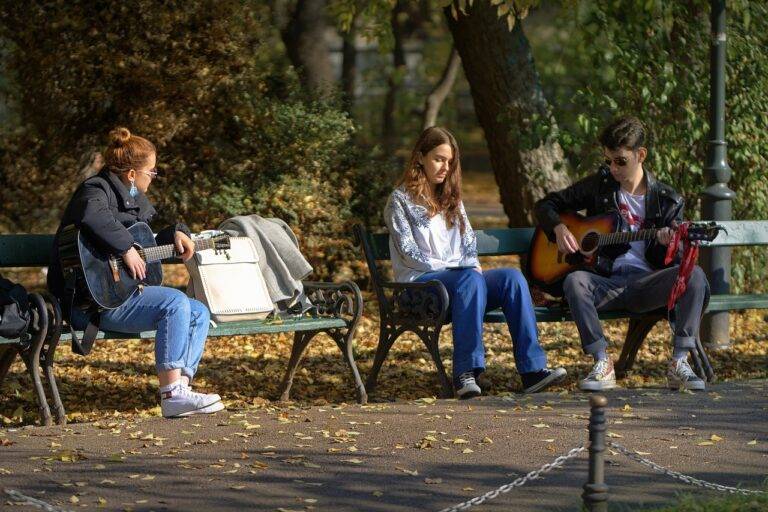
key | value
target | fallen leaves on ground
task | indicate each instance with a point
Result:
(117, 380)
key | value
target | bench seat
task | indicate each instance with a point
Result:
(339, 307)
(242, 328)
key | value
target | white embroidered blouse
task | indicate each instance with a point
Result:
(420, 244)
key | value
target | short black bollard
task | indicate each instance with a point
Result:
(595, 493)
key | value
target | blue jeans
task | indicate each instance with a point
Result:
(471, 295)
(181, 324)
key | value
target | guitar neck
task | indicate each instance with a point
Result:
(161, 252)
(625, 237)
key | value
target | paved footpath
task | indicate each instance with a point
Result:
(422, 455)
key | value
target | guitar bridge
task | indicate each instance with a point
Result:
(115, 271)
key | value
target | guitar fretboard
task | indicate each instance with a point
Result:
(625, 237)
(161, 252)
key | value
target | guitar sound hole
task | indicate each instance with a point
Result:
(589, 242)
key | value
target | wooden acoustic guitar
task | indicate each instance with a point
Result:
(547, 267)
(103, 276)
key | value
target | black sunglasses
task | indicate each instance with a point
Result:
(620, 161)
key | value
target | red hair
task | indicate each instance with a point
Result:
(125, 151)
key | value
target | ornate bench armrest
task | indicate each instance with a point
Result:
(422, 303)
(342, 300)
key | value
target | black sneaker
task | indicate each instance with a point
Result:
(533, 382)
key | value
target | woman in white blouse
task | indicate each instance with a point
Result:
(431, 238)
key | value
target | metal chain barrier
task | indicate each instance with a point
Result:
(533, 475)
(28, 500)
(684, 478)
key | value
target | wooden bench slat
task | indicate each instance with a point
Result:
(733, 302)
(25, 250)
(504, 241)
(741, 232)
(236, 328)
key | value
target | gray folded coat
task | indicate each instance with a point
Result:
(281, 262)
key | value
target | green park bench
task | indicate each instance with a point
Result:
(339, 307)
(422, 308)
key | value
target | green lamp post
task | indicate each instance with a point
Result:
(716, 199)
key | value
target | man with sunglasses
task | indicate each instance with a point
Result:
(630, 276)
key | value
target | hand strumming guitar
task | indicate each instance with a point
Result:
(135, 263)
(566, 242)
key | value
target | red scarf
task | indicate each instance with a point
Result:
(690, 255)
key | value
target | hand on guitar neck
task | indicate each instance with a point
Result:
(185, 247)
(578, 240)
(567, 243)
(136, 265)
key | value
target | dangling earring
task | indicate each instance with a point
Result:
(133, 191)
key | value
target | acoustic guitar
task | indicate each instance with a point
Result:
(104, 277)
(547, 267)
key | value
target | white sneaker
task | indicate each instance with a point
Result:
(212, 395)
(468, 388)
(681, 376)
(181, 401)
(601, 377)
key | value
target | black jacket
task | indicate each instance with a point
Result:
(599, 194)
(102, 209)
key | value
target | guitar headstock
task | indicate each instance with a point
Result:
(212, 239)
(704, 231)
(221, 242)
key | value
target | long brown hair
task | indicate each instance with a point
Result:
(447, 196)
(125, 151)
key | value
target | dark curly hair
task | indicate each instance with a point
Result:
(624, 132)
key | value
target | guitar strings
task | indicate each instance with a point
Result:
(152, 254)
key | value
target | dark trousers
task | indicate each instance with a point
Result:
(637, 292)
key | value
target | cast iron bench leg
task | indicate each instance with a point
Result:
(346, 345)
(342, 301)
(702, 366)
(387, 338)
(300, 341)
(430, 337)
(47, 357)
(31, 357)
(636, 333)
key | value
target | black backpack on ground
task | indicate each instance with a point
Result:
(15, 311)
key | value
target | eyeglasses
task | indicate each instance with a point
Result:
(152, 173)
(620, 161)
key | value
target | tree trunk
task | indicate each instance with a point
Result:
(304, 39)
(389, 131)
(437, 96)
(510, 105)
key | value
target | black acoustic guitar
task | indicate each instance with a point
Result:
(104, 276)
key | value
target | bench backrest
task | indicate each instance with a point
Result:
(25, 250)
(34, 250)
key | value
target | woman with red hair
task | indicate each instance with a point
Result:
(102, 208)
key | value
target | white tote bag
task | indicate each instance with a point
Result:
(229, 282)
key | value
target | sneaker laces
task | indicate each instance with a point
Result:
(684, 370)
(467, 378)
(599, 369)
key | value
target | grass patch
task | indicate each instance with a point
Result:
(729, 503)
